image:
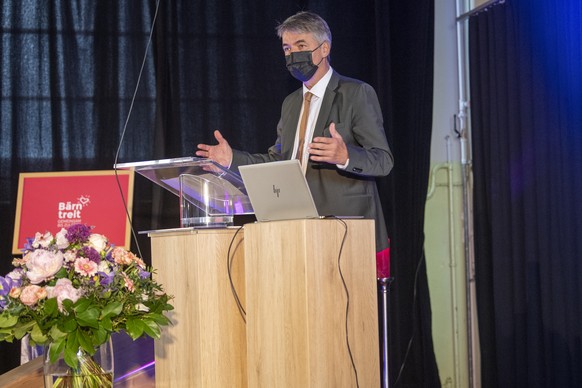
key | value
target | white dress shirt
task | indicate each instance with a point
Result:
(318, 90)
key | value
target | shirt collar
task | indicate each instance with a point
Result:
(318, 89)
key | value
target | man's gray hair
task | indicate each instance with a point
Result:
(306, 22)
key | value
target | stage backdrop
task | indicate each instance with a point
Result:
(526, 102)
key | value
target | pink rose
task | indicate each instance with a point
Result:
(15, 292)
(121, 256)
(62, 290)
(42, 293)
(43, 264)
(32, 294)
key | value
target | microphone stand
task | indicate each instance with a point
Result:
(383, 290)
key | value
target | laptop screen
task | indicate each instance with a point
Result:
(278, 191)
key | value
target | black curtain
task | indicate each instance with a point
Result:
(69, 69)
(526, 101)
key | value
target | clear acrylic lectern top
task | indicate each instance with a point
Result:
(210, 195)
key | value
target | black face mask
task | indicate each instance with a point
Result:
(300, 64)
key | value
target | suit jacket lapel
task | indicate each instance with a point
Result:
(326, 104)
(293, 109)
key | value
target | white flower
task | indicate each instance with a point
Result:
(61, 239)
(62, 290)
(142, 307)
(104, 266)
(15, 275)
(70, 256)
(42, 240)
(98, 241)
(43, 264)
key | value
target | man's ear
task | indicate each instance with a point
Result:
(325, 48)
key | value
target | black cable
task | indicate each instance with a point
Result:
(229, 261)
(125, 128)
(347, 296)
(243, 312)
(414, 295)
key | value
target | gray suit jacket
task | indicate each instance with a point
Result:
(353, 106)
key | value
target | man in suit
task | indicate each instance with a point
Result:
(343, 147)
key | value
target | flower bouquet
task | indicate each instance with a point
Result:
(72, 291)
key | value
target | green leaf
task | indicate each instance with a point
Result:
(56, 334)
(160, 319)
(22, 330)
(69, 325)
(106, 324)
(72, 342)
(8, 320)
(85, 341)
(100, 336)
(71, 349)
(62, 273)
(71, 358)
(133, 328)
(88, 317)
(151, 328)
(51, 307)
(6, 335)
(56, 348)
(37, 335)
(81, 305)
(67, 305)
(112, 309)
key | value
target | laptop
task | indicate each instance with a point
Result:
(278, 191)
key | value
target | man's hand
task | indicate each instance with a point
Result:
(220, 153)
(329, 149)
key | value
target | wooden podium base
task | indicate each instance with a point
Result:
(206, 346)
(288, 276)
(296, 304)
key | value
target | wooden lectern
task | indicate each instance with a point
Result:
(287, 276)
(296, 304)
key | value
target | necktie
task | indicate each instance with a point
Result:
(303, 125)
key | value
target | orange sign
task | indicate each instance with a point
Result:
(49, 201)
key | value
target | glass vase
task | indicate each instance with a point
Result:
(91, 371)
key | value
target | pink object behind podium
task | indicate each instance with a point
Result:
(383, 263)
